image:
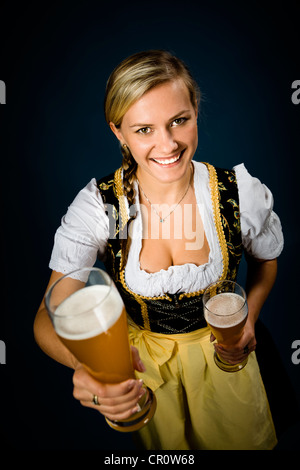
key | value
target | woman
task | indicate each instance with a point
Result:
(182, 225)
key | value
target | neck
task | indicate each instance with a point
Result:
(163, 193)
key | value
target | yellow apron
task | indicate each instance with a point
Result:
(198, 405)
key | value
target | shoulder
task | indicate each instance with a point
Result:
(248, 181)
(86, 209)
(83, 231)
(111, 186)
(254, 195)
(205, 170)
(88, 199)
(106, 180)
(244, 177)
(216, 177)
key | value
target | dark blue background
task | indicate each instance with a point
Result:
(55, 61)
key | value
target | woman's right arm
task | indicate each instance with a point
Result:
(46, 336)
(117, 401)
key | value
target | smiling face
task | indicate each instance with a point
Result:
(160, 130)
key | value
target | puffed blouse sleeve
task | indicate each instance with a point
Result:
(83, 233)
(262, 235)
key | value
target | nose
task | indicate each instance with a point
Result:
(166, 144)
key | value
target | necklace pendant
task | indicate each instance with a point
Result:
(161, 220)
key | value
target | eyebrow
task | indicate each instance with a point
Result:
(170, 120)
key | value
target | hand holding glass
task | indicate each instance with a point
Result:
(225, 311)
(89, 317)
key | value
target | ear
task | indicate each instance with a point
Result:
(117, 132)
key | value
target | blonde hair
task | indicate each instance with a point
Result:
(128, 82)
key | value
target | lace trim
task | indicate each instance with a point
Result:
(213, 183)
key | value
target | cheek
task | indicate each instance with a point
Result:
(140, 148)
(190, 136)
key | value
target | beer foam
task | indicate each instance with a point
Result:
(88, 312)
(225, 310)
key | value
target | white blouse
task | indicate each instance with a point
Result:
(84, 232)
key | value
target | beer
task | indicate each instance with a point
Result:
(89, 317)
(92, 324)
(226, 315)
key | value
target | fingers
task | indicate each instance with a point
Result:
(238, 352)
(212, 338)
(234, 355)
(115, 401)
(115, 409)
(136, 360)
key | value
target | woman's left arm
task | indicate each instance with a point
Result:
(261, 275)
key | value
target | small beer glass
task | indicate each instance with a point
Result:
(225, 311)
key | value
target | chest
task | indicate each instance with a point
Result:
(178, 239)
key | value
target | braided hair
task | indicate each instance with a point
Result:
(129, 168)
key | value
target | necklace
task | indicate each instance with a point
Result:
(162, 219)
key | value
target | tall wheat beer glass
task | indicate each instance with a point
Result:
(89, 317)
(225, 311)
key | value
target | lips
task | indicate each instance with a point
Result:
(168, 161)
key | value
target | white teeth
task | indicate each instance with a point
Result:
(168, 161)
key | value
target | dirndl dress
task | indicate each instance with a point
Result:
(200, 406)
